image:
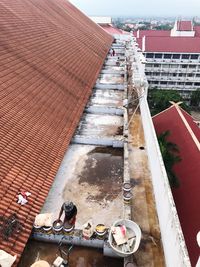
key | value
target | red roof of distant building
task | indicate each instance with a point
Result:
(161, 41)
(112, 30)
(197, 31)
(51, 55)
(139, 42)
(184, 25)
(187, 197)
(173, 44)
(154, 33)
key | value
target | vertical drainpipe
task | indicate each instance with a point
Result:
(143, 43)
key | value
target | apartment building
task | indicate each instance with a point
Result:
(172, 57)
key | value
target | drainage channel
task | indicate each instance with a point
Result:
(92, 171)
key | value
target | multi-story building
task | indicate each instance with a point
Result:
(172, 57)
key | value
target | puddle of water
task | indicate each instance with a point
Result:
(79, 256)
(104, 168)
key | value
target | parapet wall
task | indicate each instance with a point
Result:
(172, 237)
(174, 246)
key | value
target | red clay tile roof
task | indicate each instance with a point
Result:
(197, 31)
(184, 25)
(161, 41)
(187, 196)
(112, 30)
(153, 33)
(172, 44)
(50, 55)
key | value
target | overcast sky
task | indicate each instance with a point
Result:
(139, 7)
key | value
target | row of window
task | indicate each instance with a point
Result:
(164, 74)
(172, 56)
(173, 66)
(174, 83)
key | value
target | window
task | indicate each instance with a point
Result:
(149, 65)
(192, 66)
(171, 83)
(158, 55)
(190, 75)
(183, 66)
(188, 83)
(197, 84)
(163, 82)
(167, 56)
(185, 56)
(156, 65)
(156, 73)
(176, 56)
(149, 55)
(197, 75)
(194, 56)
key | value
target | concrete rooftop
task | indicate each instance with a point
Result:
(92, 175)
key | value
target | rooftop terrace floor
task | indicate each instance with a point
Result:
(91, 177)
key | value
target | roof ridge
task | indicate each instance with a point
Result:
(196, 141)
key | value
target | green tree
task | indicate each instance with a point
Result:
(159, 100)
(170, 155)
(195, 98)
(163, 27)
(126, 28)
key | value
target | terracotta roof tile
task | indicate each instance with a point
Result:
(50, 55)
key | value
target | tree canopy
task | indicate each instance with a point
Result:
(159, 100)
(195, 98)
(170, 155)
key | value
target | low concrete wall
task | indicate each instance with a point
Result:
(100, 141)
(114, 72)
(95, 109)
(175, 250)
(109, 86)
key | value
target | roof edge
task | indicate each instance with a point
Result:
(162, 111)
(179, 110)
